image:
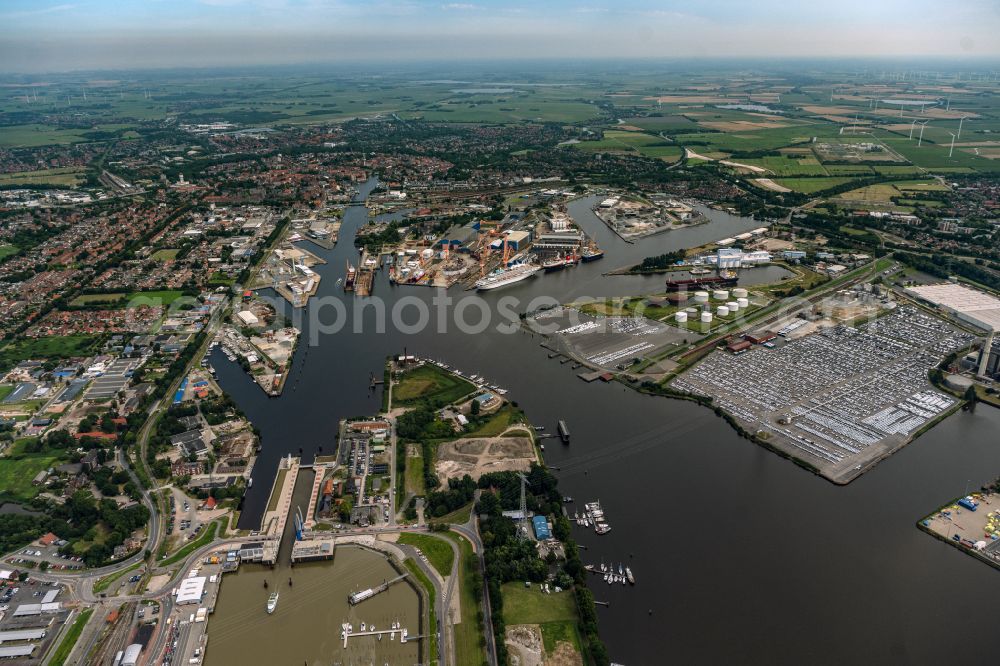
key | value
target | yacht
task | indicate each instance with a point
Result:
(272, 602)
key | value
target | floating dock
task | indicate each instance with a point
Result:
(363, 595)
(563, 432)
(404, 636)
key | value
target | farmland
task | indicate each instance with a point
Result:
(64, 177)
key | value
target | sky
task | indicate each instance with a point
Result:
(61, 35)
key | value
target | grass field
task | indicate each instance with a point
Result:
(7, 251)
(164, 297)
(459, 516)
(469, 648)
(429, 590)
(523, 605)
(28, 136)
(64, 177)
(93, 299)
(51, 347)
(272, 502)
(810, 185)
(61, 653)
(5, 390)
(415, 475)
(17, 473)
(497, 422)
(437, 551)
(637, 142)
(165, 255)
(430, 383)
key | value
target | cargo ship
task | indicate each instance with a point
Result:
(711, 281)
(504, 277)
(563, 432)
(591, 254)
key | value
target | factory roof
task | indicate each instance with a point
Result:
(190, 590)
(975, 306)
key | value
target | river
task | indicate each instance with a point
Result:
(738, 554)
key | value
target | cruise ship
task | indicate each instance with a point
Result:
(507, 276)
(272, 602)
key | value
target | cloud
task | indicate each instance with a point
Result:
(460, 6)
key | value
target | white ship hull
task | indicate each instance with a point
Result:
(507, 278)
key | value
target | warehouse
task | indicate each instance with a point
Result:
(518, 240)
(541, 528)
(191, 590)
(248, 318)
(22, 635)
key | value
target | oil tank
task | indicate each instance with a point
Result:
(740, 292)
(744, 303)
(733, 306)
(720, 295)
(723, 311)
(681, 317)
(701, 297)
(706, 317)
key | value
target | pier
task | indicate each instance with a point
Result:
(403, 634)
(357, 597)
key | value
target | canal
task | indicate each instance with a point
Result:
(738, 554)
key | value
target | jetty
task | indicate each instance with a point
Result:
(357, 597)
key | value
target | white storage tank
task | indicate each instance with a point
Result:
(740, 292)
(701, 297)
(743, 302)
(426, 253)
(723, 311)
(681, 317)
(706, 317)
(733, 306)
(720, 295)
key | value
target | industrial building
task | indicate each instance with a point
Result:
(460, 237)
(131, 655)
(541, 526)
(191, 590)
(518, 240)
(247, 318)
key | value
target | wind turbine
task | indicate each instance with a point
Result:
(952, 149)
(962, 120)
(922, 128)
(911, 127)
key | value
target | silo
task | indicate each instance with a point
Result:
(733, 306)
(743, 302)
(701, 297)
(723, 311)
(706, 317)
(681, 317)
(740, 292)
(720, 295)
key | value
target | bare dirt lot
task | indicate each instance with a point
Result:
(476, 457)
(524, 644)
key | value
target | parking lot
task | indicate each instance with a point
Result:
(606, 342)
(34, 610)
(840, 398)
